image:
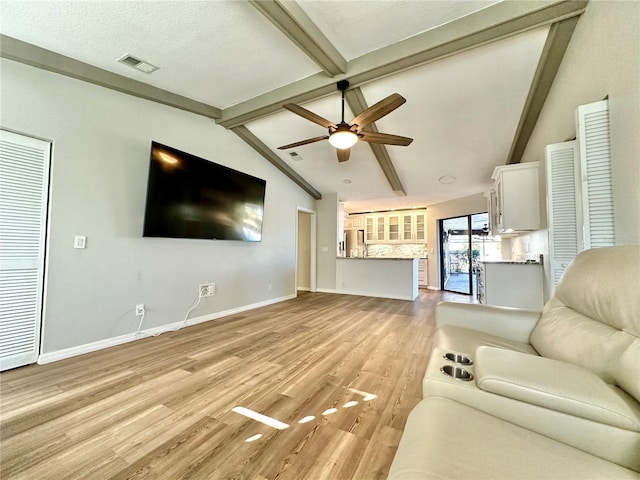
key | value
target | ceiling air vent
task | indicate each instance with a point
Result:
(136, 63)
(295, 156)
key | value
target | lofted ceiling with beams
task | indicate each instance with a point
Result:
(474, 73)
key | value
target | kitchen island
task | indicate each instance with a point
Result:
(378, 277)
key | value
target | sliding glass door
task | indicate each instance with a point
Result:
(462, 242)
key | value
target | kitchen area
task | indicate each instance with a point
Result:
(487, 255)
(383, 254)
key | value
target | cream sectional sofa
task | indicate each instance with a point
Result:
(512, 393)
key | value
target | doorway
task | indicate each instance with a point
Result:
(461, 248)
(24, 187)
(305, 280)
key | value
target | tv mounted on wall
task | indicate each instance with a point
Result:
(190, 197)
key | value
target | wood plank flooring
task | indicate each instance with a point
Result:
(160, 408)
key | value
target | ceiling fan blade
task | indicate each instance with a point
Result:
(304, 142)
(304, 113)
(343, 154)
(379, 110)
(385, 138)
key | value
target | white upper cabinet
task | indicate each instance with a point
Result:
(413, 227)
(354, 222)
(517, 198)
(492, 210)
(396, 227)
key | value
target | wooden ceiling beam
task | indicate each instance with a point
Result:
(23, 52)
(357, 103)
(300, 29)
(496, 22)
(552, 53)
(255, 143)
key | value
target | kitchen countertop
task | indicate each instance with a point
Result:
(513, 262)
(378, 258)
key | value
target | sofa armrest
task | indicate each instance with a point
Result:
(512, 323)
(560, 386)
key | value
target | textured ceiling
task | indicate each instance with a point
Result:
(462, 108)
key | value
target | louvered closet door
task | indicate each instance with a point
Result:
(563, 184)
(24, 173)
(595, 166)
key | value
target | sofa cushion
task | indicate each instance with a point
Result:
(444, 439)
(455, 339)
(593, 320)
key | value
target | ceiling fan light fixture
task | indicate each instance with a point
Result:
(343, 139)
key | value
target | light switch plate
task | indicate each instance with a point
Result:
(80, 241)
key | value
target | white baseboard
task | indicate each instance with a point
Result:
(432, 288)
(363, 294)
(304, 289)
(368, 294)
(130, 337)
(326, 290)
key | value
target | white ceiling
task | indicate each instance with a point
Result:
(462, 110)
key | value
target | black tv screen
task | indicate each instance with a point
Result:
(190, 197)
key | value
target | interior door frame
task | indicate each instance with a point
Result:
(312, 249)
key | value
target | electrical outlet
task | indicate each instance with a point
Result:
(207, 289)
(139, 309)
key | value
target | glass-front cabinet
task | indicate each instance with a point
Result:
(380, 226)
(396, 227)
(413, 227)
(370, 234)
(376, 228)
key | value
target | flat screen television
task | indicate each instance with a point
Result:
(190, 197)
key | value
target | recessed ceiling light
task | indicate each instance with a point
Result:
(346, 181)
(447, 179)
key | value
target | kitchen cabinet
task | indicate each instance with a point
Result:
(354, 222)
(511, 284)
(413, 227)
(517, 198)
(422, 272)
(376, 228)
(492, 211)
(393, 228)
(396, 227)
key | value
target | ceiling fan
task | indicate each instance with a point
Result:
(344, 135)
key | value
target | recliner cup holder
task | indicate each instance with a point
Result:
(457, 372)
(457, 358)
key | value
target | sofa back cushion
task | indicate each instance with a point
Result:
(593, 319)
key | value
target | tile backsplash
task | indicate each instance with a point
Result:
(397, 250)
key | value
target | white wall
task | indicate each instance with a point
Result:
(327, 216)
(603, 59)
(462, 206)
(101, 140)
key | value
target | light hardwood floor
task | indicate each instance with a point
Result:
(161, 407)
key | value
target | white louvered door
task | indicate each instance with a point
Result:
(563, 213)
(595, 165)
(24, 181)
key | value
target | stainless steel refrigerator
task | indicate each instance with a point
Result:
(354, 243)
